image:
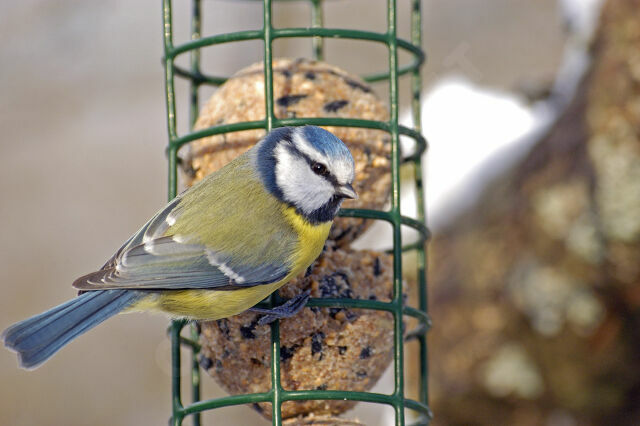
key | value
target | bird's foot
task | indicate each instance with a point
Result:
(286, 310)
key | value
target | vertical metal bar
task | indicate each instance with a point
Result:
(416, 78)
(195, 374)
(317, 21)
(194, 56)
(176, 400)
(416, 88)
(268, 72)
(170, 96)
(276, 387)
(177, 415)
(395, 210)
(196, 24)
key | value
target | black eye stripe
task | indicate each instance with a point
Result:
(295, 151)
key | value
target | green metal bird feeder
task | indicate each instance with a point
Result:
(316, 33)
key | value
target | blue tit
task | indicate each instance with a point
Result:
(217, 249)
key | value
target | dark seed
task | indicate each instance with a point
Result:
(361, 374)
(289, 100)
(256, 407)
(342, 350)
(286, 73)
(365, 353)
(286, 353)
(373, 297)
(350, 315)
(223, 326)
(205, 362)
(343, 234)
(316, 342)
(323, 386)
(310, 75)
(334, 106)
(247, 331)
(335, 285)
(344, 276)
(376, 267)
(218, 365)
(330, 287)
(357, 85)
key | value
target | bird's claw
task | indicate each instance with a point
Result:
(286, 310)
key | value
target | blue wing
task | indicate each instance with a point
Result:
(151, 260)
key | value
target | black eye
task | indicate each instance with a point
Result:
(319, 169)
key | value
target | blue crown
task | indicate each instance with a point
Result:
(325, 142)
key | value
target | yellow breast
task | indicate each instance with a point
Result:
(311, 239)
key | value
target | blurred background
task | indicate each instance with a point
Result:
(534, 264)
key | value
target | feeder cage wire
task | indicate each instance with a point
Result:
(196, 77)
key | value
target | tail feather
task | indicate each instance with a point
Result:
(25, 333)
(38, 338)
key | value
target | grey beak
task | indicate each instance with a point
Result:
(347, 191)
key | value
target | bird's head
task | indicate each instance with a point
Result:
(307, 168)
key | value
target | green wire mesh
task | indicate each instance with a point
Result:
(277, 395)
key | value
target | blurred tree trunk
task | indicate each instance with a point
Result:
(535, 291)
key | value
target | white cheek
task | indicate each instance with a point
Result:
(299, 185)
(315, 192)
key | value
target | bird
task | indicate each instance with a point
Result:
(217, 249)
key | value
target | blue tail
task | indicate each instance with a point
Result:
(36, 339)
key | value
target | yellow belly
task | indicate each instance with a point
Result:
(205, 304)
(311, 239)
(216, 304)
